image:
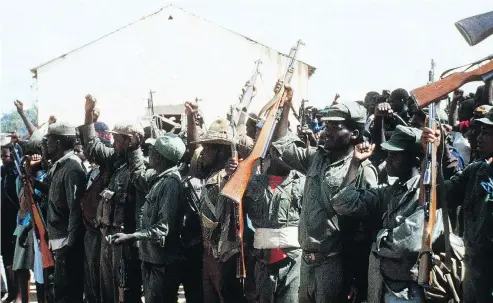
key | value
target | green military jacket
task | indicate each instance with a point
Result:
(319, 228)
(127, 199)
(472, 189)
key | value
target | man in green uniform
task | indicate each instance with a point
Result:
(273, 203)
(398, 243)
(320, 228)
(119, 207)
(67, 182)
(472, 189)
(158, 234)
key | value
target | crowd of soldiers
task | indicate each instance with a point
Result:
(333, 212)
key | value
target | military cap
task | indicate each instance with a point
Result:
(404, 139)
(61, 129)
(127, 129)
(350, 111)
(170, 146)
(218, 133)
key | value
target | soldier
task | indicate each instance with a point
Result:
(119, 207)
(472, 189)
(221, 250)
(273, 202)
(394, 253)
(158, 234)
(67, 182)
(97, 179)
(320, 228)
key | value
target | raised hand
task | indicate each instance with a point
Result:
(90, 104)
(363, 151)
(190, 108)
(19, 105)
(231, 166)
(52, 119)
(383, 110)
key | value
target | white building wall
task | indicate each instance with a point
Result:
(179, 59)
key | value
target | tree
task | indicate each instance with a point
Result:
(12, 121)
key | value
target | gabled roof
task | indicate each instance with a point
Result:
(34, 70)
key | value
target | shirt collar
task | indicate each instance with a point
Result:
(168, 171)
(216, 177)
(411, 183)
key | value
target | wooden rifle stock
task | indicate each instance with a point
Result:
(236, 186)
(438, 90)
(46, 255)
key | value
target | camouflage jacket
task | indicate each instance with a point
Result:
(319, 229)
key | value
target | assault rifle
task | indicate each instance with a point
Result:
(22, 166)
(428, 198)
(439, 90)
(238, 210)
(236, 186)
(241, 108)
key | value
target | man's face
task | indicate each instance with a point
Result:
(396, 163)
(485, 141)
(120, 142)
(153, 157)
(52, 144)
(6, 160)
(211, 154)
(337, 135)
(397, 105)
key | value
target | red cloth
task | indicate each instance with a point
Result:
(464, 126)
(275, 181)
(276, 254)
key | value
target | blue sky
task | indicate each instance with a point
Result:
(357, 46)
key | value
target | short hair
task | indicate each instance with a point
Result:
(399, 95)
(371, 96)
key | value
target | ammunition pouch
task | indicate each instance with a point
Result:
(111, 211)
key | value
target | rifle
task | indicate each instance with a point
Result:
(238, 210)
(246, 97)
(236, 186)
(438, 90)
(302, 113)
(476, 28)
(22, 167)
(122, 285)
(428, 199)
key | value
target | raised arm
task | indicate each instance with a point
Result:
(193, 126)
(20, 109)
(288, 145)
(94, 149)
(140, 176)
